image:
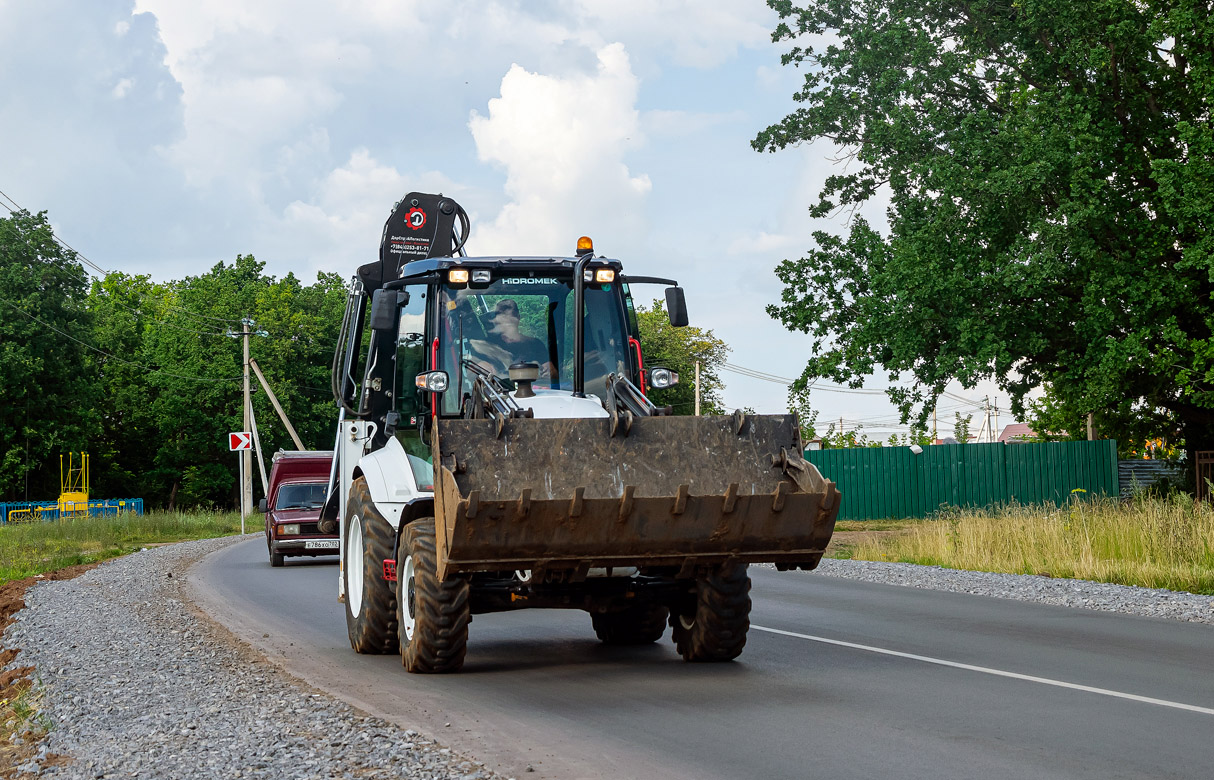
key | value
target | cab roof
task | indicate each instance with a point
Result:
(514, 262)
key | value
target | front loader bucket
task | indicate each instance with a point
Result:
(685, 492)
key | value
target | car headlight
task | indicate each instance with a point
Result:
(288, 529)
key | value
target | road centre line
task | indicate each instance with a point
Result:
(996, 672)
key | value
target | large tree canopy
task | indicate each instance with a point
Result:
(1050, 173)
(48, 387)
(144, 375)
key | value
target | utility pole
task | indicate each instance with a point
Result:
(277, 406)
(1091, 428)
(934, 437)
(246, 457)
(697, 388)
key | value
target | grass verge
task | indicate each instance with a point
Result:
(1154, 543)
(29, 549)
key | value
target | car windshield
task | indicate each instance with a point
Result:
(308, 496)
(530, 318)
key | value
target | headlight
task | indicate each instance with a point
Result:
(458, 276)
(662, 378)
(432, 381)
(288, 529)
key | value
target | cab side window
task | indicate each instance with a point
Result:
(411, 354)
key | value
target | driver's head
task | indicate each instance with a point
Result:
(506, 306)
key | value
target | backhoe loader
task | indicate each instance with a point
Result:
(497, 450)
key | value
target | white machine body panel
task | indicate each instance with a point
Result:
(561, 404)
(391, 480)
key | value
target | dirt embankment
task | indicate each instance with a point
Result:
(16, 681)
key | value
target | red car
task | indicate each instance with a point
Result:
(297, 492)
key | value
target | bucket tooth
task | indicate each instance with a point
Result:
(626, 503)
(680, 500)
(578, 502)
(777, 498)
(731, 498)
(474, 504)
(524, 503)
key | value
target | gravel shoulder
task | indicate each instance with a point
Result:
(1128, 599)
(192, 701)
(138, 684)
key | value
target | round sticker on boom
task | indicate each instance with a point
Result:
(416, 218)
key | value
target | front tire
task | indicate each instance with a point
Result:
(276, 559)
(716, 629)
(370, 600)
(433, 615)
(639, 625)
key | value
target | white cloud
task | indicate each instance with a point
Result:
(562, 143)
(698, 33)
(121, 88)
(339, 227)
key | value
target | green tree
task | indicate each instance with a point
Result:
(1050, 171)
(49, 390)
(123, 464)
(198, 401)
(678, 349)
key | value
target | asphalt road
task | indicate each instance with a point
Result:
(839, 679)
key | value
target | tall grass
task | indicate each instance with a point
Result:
(1152, 542)
(33, 548)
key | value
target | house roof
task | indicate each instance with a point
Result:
(1016, 432)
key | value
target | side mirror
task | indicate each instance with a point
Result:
(384, 306)
(676, 307)
(261, 505)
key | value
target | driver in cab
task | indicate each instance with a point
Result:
(504, 334)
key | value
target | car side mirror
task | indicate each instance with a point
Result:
(261, 505)
(676, 307)
(384, 307)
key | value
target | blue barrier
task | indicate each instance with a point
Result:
(29, 511)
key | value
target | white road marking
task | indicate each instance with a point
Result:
(996, 672)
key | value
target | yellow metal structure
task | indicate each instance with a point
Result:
(74, 486)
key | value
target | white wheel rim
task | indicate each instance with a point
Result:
(410, 594)
(354, 565)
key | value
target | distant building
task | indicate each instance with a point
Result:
(1017, 433)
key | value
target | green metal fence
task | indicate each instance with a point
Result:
(895, 482)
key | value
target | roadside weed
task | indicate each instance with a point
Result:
(1151, 542)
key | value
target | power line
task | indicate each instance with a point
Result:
(112, 356)
(829, 387)
(102, 273)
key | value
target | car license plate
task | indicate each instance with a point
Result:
(320, 544)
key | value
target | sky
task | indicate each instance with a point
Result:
(163, 137)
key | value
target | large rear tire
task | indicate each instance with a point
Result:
(640, 625)
(370, 600)
(716, 630)
(433, 615)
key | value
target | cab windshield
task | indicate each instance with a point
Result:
(529, 318)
